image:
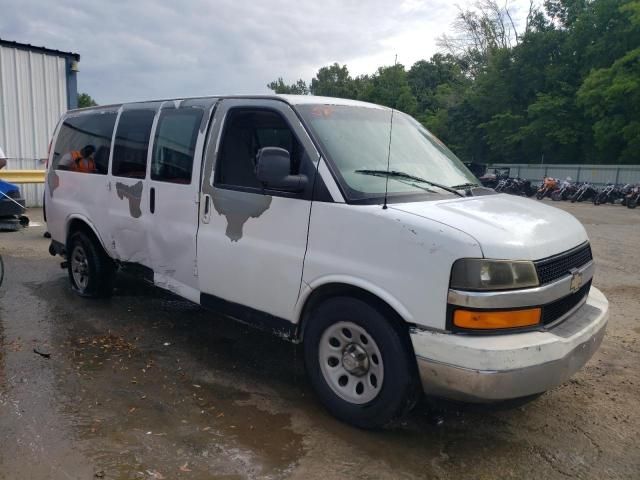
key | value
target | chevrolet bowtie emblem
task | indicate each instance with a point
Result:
(576, 280)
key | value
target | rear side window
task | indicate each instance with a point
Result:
(132, 143)
(84, 143)
(174, 145)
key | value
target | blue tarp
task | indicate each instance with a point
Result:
(6, 187)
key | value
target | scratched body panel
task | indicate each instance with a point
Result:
(252, 249)
(128, 203)
(173, 226)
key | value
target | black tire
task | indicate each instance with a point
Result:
(540, 195)
(98, 268)
(1, 270)
(632, 203)
(399, 389)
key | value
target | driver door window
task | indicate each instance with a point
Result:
(246, 132)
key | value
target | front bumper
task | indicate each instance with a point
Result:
(486, 368)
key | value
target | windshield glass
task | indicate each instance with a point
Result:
(356, 140)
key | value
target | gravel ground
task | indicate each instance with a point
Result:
(147, 386)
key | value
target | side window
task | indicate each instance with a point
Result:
(174, 145)
(247, 131)
(132, 143)
(84, 143)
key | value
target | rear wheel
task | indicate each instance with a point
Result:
(360, 364)
(91, 271)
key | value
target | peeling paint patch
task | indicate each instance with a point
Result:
(238, 207)
(53, 181)
(132, 193)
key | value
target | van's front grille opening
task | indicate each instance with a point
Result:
(553, 268)
(554, 310)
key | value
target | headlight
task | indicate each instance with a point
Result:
(481, 274)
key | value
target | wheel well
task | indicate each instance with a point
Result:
(78, 225)
(333, 290)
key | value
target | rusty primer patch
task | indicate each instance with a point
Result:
(132, 193)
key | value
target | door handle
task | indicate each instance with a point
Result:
(152, 200)
(206, 214)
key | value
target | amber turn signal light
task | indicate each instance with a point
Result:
(485, 320)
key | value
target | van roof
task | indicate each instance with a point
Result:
(290, 99)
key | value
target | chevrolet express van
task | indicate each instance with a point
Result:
(342, 225)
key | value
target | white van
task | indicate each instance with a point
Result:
(340, 224)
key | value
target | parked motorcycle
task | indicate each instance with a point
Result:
(609, 194)
(549, 184)
(565, 191)
(586, 191)
(633, 197)
(625, 191)
(493, 177)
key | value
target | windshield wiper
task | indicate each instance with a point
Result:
(465, 185)
(408, 176)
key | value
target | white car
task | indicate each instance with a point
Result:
(339, 224)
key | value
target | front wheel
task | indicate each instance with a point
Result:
(632, 202)
(91, 271)
(360, 364)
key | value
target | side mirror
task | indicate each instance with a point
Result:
(273, 167)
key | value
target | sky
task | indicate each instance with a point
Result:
(146, 49)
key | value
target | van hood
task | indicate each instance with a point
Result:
(505, 226)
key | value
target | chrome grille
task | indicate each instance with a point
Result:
(552, 268)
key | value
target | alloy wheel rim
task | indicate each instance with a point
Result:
(80, 267)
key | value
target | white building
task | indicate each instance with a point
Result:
(37, 85)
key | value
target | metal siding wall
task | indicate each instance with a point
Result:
(596, 174)
(33, 96)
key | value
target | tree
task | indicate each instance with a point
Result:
(567, 85)
(298, 88)
(85, 100)
(333, 81)
(479, 32)
(611, 97)
(389, 86)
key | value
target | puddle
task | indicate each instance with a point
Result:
(138, 405)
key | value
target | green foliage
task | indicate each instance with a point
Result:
(611, 98)
(85, 100)
(298, 88)
(568, 87)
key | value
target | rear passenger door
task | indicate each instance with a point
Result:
(173, 193)
(128, 204)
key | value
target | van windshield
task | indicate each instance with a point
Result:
(359, 141)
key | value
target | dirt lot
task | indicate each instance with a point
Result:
(148, 386)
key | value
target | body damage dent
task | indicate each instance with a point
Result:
(133, 193)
